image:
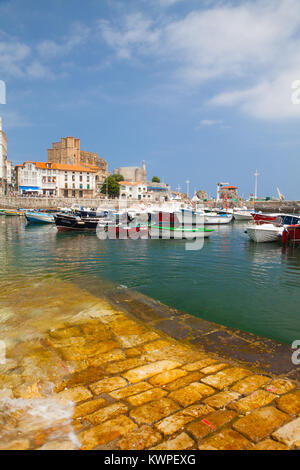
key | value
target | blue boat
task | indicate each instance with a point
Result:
(39, 218)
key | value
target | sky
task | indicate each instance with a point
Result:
(199, 89)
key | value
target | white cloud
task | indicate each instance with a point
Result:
(78, 35)
(210, 122)
(254, 45)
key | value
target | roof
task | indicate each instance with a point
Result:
(130, 183)
(61, 166)
(229, 187)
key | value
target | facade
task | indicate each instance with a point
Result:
(10, 176)
(229, 192)
(133, 173)
(3, 160)
(134, 190)
(56, 179)
(68, 152)
(159, 191)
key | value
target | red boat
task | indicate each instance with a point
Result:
(291, 234)
(265, 218)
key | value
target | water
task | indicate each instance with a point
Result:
(231, 281)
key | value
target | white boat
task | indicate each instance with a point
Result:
(40, 218)
(242, 215)
(217, 219)
(264, 232)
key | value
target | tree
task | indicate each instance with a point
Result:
(155, 179)
(118, 177)
(111, 187)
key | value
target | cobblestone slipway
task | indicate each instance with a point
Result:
(111, 381)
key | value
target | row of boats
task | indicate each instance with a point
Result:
(168, 221)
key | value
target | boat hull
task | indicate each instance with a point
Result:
(292, 234)
(217, 219)
(39, 218)
(264, 234)
(178, 232)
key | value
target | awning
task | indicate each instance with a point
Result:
(29, 188)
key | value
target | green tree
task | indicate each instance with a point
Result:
(118, 177)
(111, 187)
(155, 179)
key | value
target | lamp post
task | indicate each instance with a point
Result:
(187, 188)
(256, 174)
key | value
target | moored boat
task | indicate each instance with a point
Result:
(262, 233)
(160, 231)
(39, 218)
(217, 219)
(291, 233)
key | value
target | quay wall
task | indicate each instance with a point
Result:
(289, 207)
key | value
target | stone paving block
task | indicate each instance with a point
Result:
(178, 420)
(269, 444)
(250, 384)
(148, 370)
(191, 393)
(225, 378)
(144, 397)
(290, 403)
(75, 394)
(59, 445)
(227, 439)
(180, 442)
(108, 385)
(156, 345)
(213, 368)
(167, 377)
(83, 377)
(154, 411)
(65, 332)
(106, 432)
(88, 407)
(73, 353)
(113, 355)
(193, 366)
(18, 444)
(280, 386)
(143, 438)
(131, 390)
(130, 341)
(221, 399)
(289, 434)
(121, 366)
(211, 423)
(133, 352)
(106, 413)
(260, 423)
(251, 402)
(183, 381)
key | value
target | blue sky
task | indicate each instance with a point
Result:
(201, 90)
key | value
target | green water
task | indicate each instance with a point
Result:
(231, 281)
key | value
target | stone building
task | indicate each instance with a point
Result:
(133, 173)
(3, 160)
(68, 152)
(229, 192)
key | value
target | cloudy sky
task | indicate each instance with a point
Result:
(200, 89)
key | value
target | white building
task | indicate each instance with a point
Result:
(3, 159)
(56, 179)
(10, 176)
(134, 190)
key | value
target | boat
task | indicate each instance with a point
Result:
(264, 218)
(123, 231)
(39, 218)
(13, 212)
(291, 233)
(65, 222)
(243, 214)
(217, 219)
(262, 233)
(165, 232)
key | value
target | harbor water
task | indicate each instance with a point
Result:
(230, 281)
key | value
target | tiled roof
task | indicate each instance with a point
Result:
(130, 183)
(61, 166)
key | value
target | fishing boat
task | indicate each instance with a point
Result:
(264, 218)
(262, 233)
(242, 214)
(167, 232)
(13, 212)
(39, 218)
(65, 222)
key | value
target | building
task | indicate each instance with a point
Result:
(229, 192)
(3, 160)
(134, 190)
(133, 173)
(56, 179)
(68, 152)
(10, 176)
(159, 191)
